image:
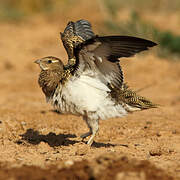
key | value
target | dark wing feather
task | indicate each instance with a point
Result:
(105, 51)
(83, 29)
(121, 46)
(74, 34)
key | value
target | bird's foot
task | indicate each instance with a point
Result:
(83, 136)
(93, 126)
(90, 141)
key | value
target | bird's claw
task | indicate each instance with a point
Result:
(83, 136)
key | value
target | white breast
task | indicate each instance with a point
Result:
(86, 94)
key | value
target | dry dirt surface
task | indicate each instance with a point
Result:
(38, 143)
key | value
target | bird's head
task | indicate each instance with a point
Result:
(52, 70)
(50, 63)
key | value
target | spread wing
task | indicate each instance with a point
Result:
(102, 53)
(74, 34)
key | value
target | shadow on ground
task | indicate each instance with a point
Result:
(34, 137)
(99, 144)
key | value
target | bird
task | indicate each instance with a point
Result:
(92, 84)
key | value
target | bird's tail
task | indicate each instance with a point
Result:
(133, 100)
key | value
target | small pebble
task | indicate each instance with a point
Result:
(23, 123)
(68, 163)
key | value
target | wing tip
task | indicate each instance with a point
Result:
(151, 43)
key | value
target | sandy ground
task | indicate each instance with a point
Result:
(38, 143)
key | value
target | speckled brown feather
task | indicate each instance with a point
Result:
(48, 81)
(127, 96)
(74, 34)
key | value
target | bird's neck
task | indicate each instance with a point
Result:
(49, 80)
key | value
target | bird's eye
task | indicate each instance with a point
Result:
(49, 61)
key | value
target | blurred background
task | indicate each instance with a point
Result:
(156, 20)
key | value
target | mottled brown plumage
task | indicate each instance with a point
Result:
(73, 35)
(125, 95)
(92, 83)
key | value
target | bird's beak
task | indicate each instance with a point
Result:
(37, 61)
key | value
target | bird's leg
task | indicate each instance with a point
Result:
(83, 136)
(94, 126)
